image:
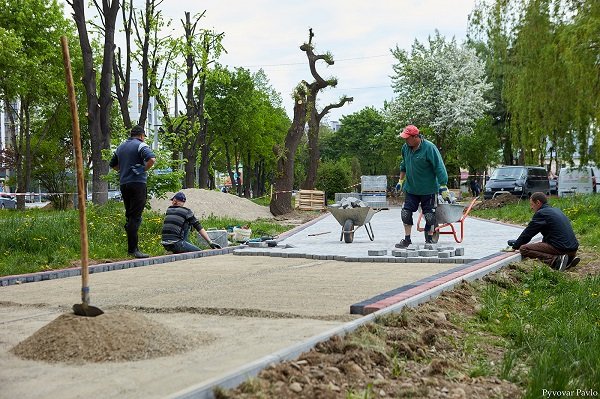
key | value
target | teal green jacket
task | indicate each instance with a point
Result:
(425, 170)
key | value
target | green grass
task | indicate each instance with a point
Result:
(552, 323)
(36, 240)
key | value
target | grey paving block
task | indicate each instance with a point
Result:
(413, 259)
(352, 259)
(431, 260)
(364, 259)
(277, 254)
(400, 252)
(377, 252)
(430, 246)
(285, 255)
(322, 257)
(340, 257)
(444, 254)
(412, 254)
(460, 251)
(398, 260)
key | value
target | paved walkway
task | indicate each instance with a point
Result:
(250, 306)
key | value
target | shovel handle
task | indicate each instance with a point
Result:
(85, 291)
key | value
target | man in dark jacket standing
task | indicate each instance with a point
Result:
(176, 228)
(132, 159)
(559, 245)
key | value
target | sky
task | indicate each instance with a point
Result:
(267, 34)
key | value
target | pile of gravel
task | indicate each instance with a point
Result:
(207, 202)
(120, 335)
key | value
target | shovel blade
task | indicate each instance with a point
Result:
(83, 309)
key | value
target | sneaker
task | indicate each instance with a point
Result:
(560, 263)
(138, 254)
(573, 263)
(403, 243)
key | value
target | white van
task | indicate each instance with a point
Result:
(577, 180)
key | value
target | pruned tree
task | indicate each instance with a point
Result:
(99, 99)
(314, 116)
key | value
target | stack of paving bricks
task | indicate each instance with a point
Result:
(311, 200)
(373, 189)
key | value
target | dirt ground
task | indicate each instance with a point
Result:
(430, 361)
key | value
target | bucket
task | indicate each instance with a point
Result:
(241, 235)
(217, 236)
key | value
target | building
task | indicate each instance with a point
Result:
(153, 122)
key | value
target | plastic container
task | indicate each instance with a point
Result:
(217, 236)
(241, 235)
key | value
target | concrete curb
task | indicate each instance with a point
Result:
(205, 390)
(110, 266)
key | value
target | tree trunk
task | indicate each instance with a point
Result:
(204, 180)
(98, 106)
(281, 200)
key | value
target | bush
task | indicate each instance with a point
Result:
(334, 177)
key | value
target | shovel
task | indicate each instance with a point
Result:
(83, 309)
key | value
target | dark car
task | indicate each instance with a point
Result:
(517, 180)
(7, 201)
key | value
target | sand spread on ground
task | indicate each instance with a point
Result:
(119, 335)
(208, 202)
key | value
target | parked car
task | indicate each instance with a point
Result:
(577, 180)
(7, 201)
(517, 180)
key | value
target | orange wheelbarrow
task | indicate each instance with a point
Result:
(446, 215)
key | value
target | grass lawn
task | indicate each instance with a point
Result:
(36, 240)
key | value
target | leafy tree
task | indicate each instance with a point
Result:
(547, 52)
(334, 177)
(439, 85)
(32, 87)
(366, 136)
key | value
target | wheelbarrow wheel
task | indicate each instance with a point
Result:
(348, 231)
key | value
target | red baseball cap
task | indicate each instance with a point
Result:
(410, 130)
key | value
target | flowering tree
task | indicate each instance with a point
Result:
(440, 86)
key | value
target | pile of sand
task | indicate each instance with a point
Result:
(119, 335)
(498, 202)
(207, 202)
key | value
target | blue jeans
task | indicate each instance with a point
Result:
(182, 246)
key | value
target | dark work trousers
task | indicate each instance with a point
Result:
(134, 199)
(544, 252)
(428, 205)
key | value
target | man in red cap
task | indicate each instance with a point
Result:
(422, 176)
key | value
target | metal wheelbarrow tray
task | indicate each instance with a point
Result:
(446, 215)
(351, 219)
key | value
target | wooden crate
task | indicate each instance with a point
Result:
(310, 200)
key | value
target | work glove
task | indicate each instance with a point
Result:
(445, 193)
(399, 185)
(214, 245)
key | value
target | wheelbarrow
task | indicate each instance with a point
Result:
(351, 219)
(446, 215)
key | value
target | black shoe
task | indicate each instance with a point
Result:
(573, 263)
(429, 240)
(138, 254)
(404, 243)
(561, 262)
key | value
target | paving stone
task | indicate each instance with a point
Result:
(340, 257)
(412, 254)
(413, 259)
(257, 244)
(398, 260)
(444, 254)
(400, 252)
(460, 251)
(430, 246)
(431, 260)
(377, 252)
